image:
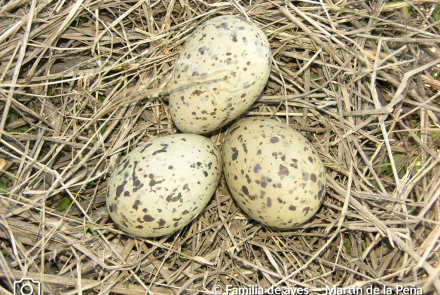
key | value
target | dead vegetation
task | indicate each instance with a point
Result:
(82, 83)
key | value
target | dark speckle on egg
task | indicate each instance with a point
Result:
(120, 188)
(283, 171)
(274, 139)
(235, 153)
(148, 218)
(257, 168)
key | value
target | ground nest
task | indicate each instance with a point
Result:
(83, 83)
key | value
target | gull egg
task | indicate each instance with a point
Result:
(219, 73)
(274, 174)
(163, 184)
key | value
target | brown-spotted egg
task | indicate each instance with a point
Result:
(274, 174)
(163, 184)
(230, 57)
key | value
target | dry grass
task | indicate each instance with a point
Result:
(82, 83)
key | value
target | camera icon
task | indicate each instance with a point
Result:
(24, 287)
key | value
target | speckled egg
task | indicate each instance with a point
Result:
(219, 73)
(274, 174)
(163, 184)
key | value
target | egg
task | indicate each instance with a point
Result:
(274, 174)
(220, 72)
(163, 184)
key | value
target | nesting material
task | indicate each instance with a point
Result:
(83, 83)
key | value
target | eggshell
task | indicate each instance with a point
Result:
(274, 174)
(231, 58)
(163, 184)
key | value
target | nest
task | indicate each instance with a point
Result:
(83, 83)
